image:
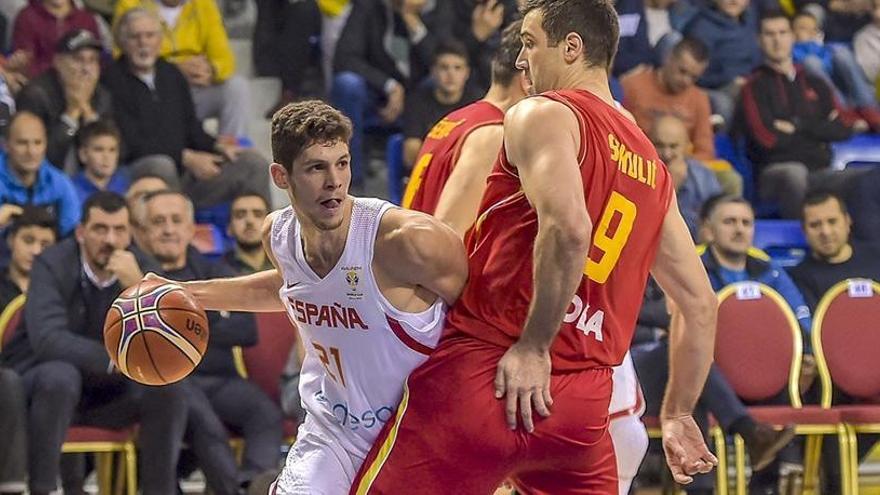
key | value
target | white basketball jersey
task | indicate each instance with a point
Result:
(359, 348)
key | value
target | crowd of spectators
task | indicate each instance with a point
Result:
(106, 162)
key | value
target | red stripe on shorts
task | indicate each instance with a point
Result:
(406, 338)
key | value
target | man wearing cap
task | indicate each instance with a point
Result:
(68, 95)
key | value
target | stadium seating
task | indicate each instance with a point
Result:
(782, 240)
(763, 361)
(845, 342)
(863, 149)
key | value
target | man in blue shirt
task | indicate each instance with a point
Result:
(729, 229)
(27, 178)
(98, 153)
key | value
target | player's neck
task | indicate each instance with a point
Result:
(501, 97)
(591, 80)
(322, 248)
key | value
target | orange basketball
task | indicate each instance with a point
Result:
(156, 333)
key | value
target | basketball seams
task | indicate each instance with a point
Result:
(157, 316)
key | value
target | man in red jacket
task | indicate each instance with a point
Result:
(40, 25)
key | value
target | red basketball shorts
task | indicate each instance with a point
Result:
(449, 434)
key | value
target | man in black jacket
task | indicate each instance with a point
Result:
(218, 396)
(385, 48)
(789, 117)
(68, 96)
(154, 109)
(60, 354)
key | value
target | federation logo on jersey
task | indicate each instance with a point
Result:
(352, 278)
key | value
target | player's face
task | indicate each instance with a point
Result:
(102, 234)
(100, 156)
(248, 214)
(141, 41)
(27, 244)
(777, 40)
(732, 228)
(318, 184)
(826, 228)
(540, 62)
(681, 72)
(450, 73)
(170, 227)
(26, 144)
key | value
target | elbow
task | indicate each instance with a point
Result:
(573, 236)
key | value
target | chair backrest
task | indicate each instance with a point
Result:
(265, 361)
(394, 158)
(783, 240)
(10, 319)
(758, 345)
(846, 338)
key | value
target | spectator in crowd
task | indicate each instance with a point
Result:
(220, 396)
(62, 360)
(31, 232)
(40, 25)
(833, 257)
(864, 206)
(134, 198)
(282, 44)
(477, 23)
(247, 213)
(727, 28)
(867, 46)
(68, 96)
(844, 18)
(385, 50)
(789, 118)
(836, 65)
(27, 178)
(634, 52)
(7, 105)
(194, 39)
(428, 103)
(161, 134)
(671, 89)
(694, 183)
(98, 153)
(728, 227)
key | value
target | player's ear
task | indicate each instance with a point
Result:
(279, 176)
(574, 47)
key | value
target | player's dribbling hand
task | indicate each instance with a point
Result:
(685, 449)
(523, 378)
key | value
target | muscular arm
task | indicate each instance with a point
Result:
(461, 195)
(257, 292)
(681, 275)
(416, 251)
(543, 140)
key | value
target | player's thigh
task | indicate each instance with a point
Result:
(449, 434)
(314, 467)
(592, 472)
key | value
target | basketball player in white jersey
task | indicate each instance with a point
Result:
(365, 282)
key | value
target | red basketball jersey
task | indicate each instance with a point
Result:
(440, 152)
(627, 191)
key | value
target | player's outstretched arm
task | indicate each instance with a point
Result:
(417, 250)
(542, 139)
(461, 195)
(681, 275)
(257, 292)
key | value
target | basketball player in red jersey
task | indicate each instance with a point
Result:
(459, 151)
(577, 211)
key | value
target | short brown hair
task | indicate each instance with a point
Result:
(97, 129)
(302, 124)
(595, 21)
(504, 61)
